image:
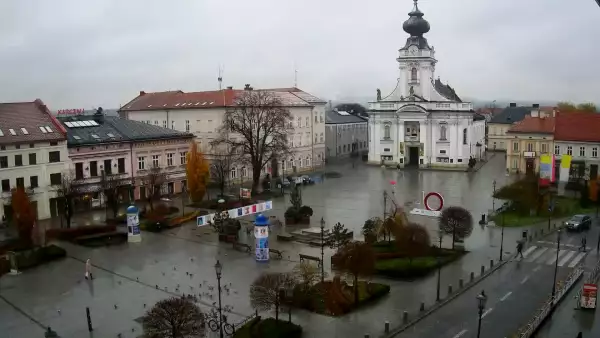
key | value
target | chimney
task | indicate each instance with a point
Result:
(99, 115)
(513, 105)
(247, 87)
(535, 110)
(142, 93)
(230, 87)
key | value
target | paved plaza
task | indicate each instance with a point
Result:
(181, 261)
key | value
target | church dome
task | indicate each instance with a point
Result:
(416, 25)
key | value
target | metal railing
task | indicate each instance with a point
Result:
(529, 329)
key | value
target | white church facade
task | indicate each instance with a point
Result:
(423, 122)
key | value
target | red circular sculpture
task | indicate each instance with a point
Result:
(438, 195)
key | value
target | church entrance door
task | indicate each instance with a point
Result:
(413, 157)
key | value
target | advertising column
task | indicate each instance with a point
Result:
(261, 234)
(133, 225)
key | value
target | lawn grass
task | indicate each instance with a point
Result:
(568, 207)
(404, 267)
(268, 328)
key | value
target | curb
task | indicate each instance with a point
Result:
(440, 304)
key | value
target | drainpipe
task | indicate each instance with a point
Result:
(132, 190)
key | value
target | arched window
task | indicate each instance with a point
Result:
(443, 132)
(465, 136)
(386, 132)
(413, 74)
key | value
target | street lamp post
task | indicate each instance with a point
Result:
(322, 251)
(556, 264)
(289, 292)
(481, 300)
(183, 193)
(502, 237)
(439, 266)
(218, 270)
(494, 197)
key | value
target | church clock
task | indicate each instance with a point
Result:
(413, 50)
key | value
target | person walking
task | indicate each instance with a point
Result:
(583, 244)
(88, 269)
(520, 249)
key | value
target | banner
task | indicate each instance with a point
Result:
(237, 212)
(588, 296)
(546, 169)
(245, 193)
(565, 166)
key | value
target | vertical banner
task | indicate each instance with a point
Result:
(546, 169)
(565, 166)
(588, 296)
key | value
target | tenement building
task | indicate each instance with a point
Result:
(422, 122)
(346, 134)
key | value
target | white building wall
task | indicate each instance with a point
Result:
(42, 169)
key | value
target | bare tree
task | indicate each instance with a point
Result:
(257, 129)
(109, 186)
(267, 290)
(153, 180)
(174, 317)
(357, 259)
(67, 190)
(308, 274)
(456, 221)
(220, 169)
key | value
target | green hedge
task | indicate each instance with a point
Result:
(68, 234)
(36, 256)
(417, 267)
(268, 328)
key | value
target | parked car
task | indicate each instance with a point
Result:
(579, 223)
(307, 180)
(285, 183)
(297, 180)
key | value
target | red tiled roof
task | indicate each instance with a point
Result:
(577, 126)
(31, 116)
(534, 125)
(175, 100)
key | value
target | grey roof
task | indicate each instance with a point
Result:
(89, 112)
(446, 91)
(120, 130)
(510, 115)
(340, 117)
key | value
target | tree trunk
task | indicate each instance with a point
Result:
(277, 309)
(255, 178)
(356, 289)
(453, 233)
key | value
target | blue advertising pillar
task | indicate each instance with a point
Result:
(261, 234)
(133, 224)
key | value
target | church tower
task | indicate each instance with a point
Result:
(416, 59)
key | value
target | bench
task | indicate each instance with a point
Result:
(276, 252)
(242, 246)
(310, 258)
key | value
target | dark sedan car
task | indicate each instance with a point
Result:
(579, 223)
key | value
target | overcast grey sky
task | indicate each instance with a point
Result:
(77, 53)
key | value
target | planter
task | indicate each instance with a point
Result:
(298, 221)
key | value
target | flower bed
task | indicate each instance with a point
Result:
(405, 267)
(68, 234)
(268, 328)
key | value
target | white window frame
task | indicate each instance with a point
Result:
(155, 161)
(141, 162)
(170, 159)
(556, 149)
(594, 152)
(187, 126)
(569, 150)
(515, 146)
(232, 173)
(582, 151)
(183, 157)
(164, 123)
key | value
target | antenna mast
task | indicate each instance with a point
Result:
(295, 76)
(220, 78)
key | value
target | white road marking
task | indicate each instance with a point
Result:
(524, 280)
(537, 268)
(536, 255)
(487, 312)
(566, 258)
(458, 335)
(529, 250)
(506, 296)
(576, 260)
(552, 260)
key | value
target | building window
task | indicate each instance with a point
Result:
(515, 163)
(164, 123)
(32, 159)
(245, 172)
(299, 122)
(172, 124)
(386, 132)
(121, 165)
(321, 118)
(291, 164)
(530, 147)
(108, 167)
(18, 160)
(321, 138)
(569, 150)
(93, 168)
(544, 148)
(307, 121)
(55, 179)
(183, 156)
(443, 132)
(232, 173)
(515, 146)
(79, 171)
(465, 136)
(6, 185)
(155, 161)
(156, 122)
(141, 163)
(54, 156)
(594, 152)
(169, 159)
(20, 182)
(3, 161)
(316, 119)
(582, 151)
(413, 74)
(33, 181)
(187, 125)
(556, 150)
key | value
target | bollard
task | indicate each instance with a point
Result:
(472, 276)
(89, 319)
(482, 270)
(387, 327)
(450, 289)
(405, 317)
(422, 307)
(460, 283)
(491, 263)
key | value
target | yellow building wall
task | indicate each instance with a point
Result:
(515, 158)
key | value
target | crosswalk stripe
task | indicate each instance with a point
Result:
(566, 258)
(554, 258)
(576, 260)
(536, 255)
(529, 250)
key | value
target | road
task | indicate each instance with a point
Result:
(514, 293)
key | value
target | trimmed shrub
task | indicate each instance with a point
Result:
(72, 233)
(34, 257)
(268, 328)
